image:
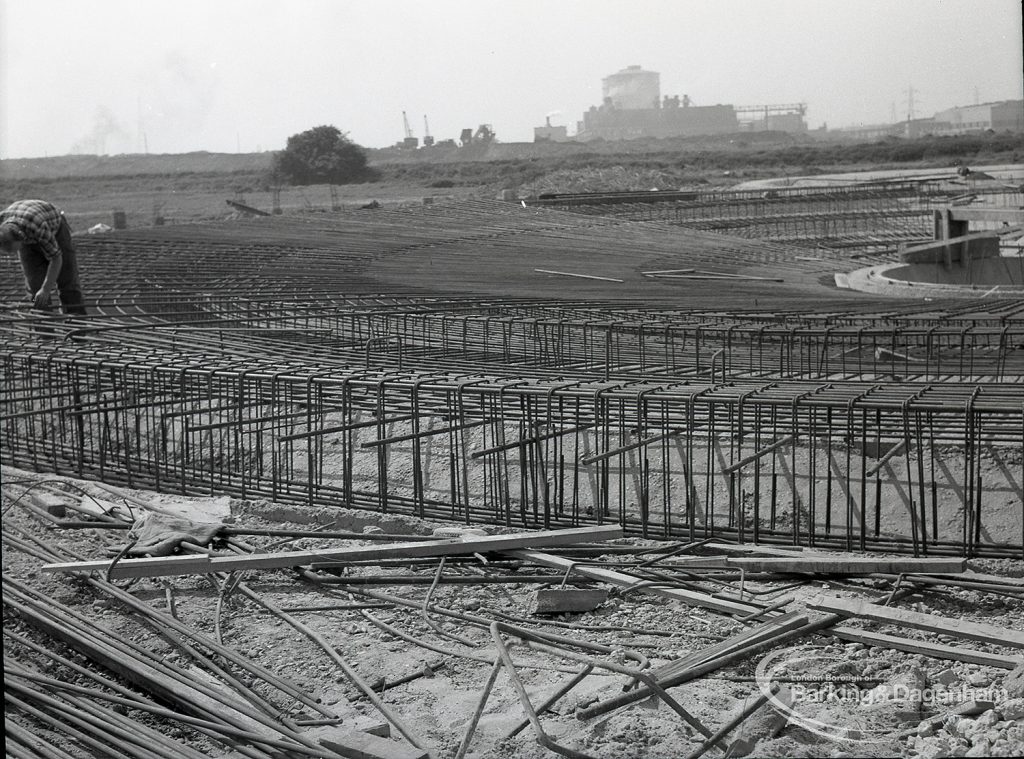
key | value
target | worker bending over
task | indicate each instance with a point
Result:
(40, 234)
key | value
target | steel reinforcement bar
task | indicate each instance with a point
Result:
(864, 216)
(927, 468)
(599, 340)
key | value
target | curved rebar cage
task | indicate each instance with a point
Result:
(262, 359)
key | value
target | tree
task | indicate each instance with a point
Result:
(321, 155)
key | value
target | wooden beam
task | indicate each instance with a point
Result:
(746, 643)
(621, 580)
(926, 648)
(228, 708)
(960, 628)
(745, 638)
(163, 566)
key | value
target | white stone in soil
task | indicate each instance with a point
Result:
(982, 748)
(1012, 709)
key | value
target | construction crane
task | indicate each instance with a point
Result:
(428, 139)
(410, 141)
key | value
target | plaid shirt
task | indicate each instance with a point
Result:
(37, 222)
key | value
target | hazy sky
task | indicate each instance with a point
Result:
(119, 76)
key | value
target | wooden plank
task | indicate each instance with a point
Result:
(162, 566)
(621, 580)
(704, 662)
(926, 648)
(960, 628)
(745, 638)
(232, 710)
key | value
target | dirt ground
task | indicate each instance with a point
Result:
(439, 705)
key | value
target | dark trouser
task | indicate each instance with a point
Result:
(34, 264)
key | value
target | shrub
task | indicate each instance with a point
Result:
(321, 155)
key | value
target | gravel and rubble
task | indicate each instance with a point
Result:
(431, 666)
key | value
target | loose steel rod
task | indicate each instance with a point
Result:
(423, 434)
(605, 455)
(731, 725)
(758, 454)
(345, 428)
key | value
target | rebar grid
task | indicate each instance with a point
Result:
(856, 465)
(317, 257)
(262, 360)
(601, 340)
(861, 218)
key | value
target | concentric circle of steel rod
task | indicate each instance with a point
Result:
(267, 361)
(861, 217)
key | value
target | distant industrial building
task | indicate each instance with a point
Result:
(633, 107)
(772, 118)
(548, 133)
(1001, 116)
(610, 123)
(631, 89)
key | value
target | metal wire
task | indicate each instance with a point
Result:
(774, 425)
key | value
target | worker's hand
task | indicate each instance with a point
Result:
(41, 299)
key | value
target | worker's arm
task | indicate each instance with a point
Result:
(41, 298)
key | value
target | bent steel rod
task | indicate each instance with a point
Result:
(259, 393)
